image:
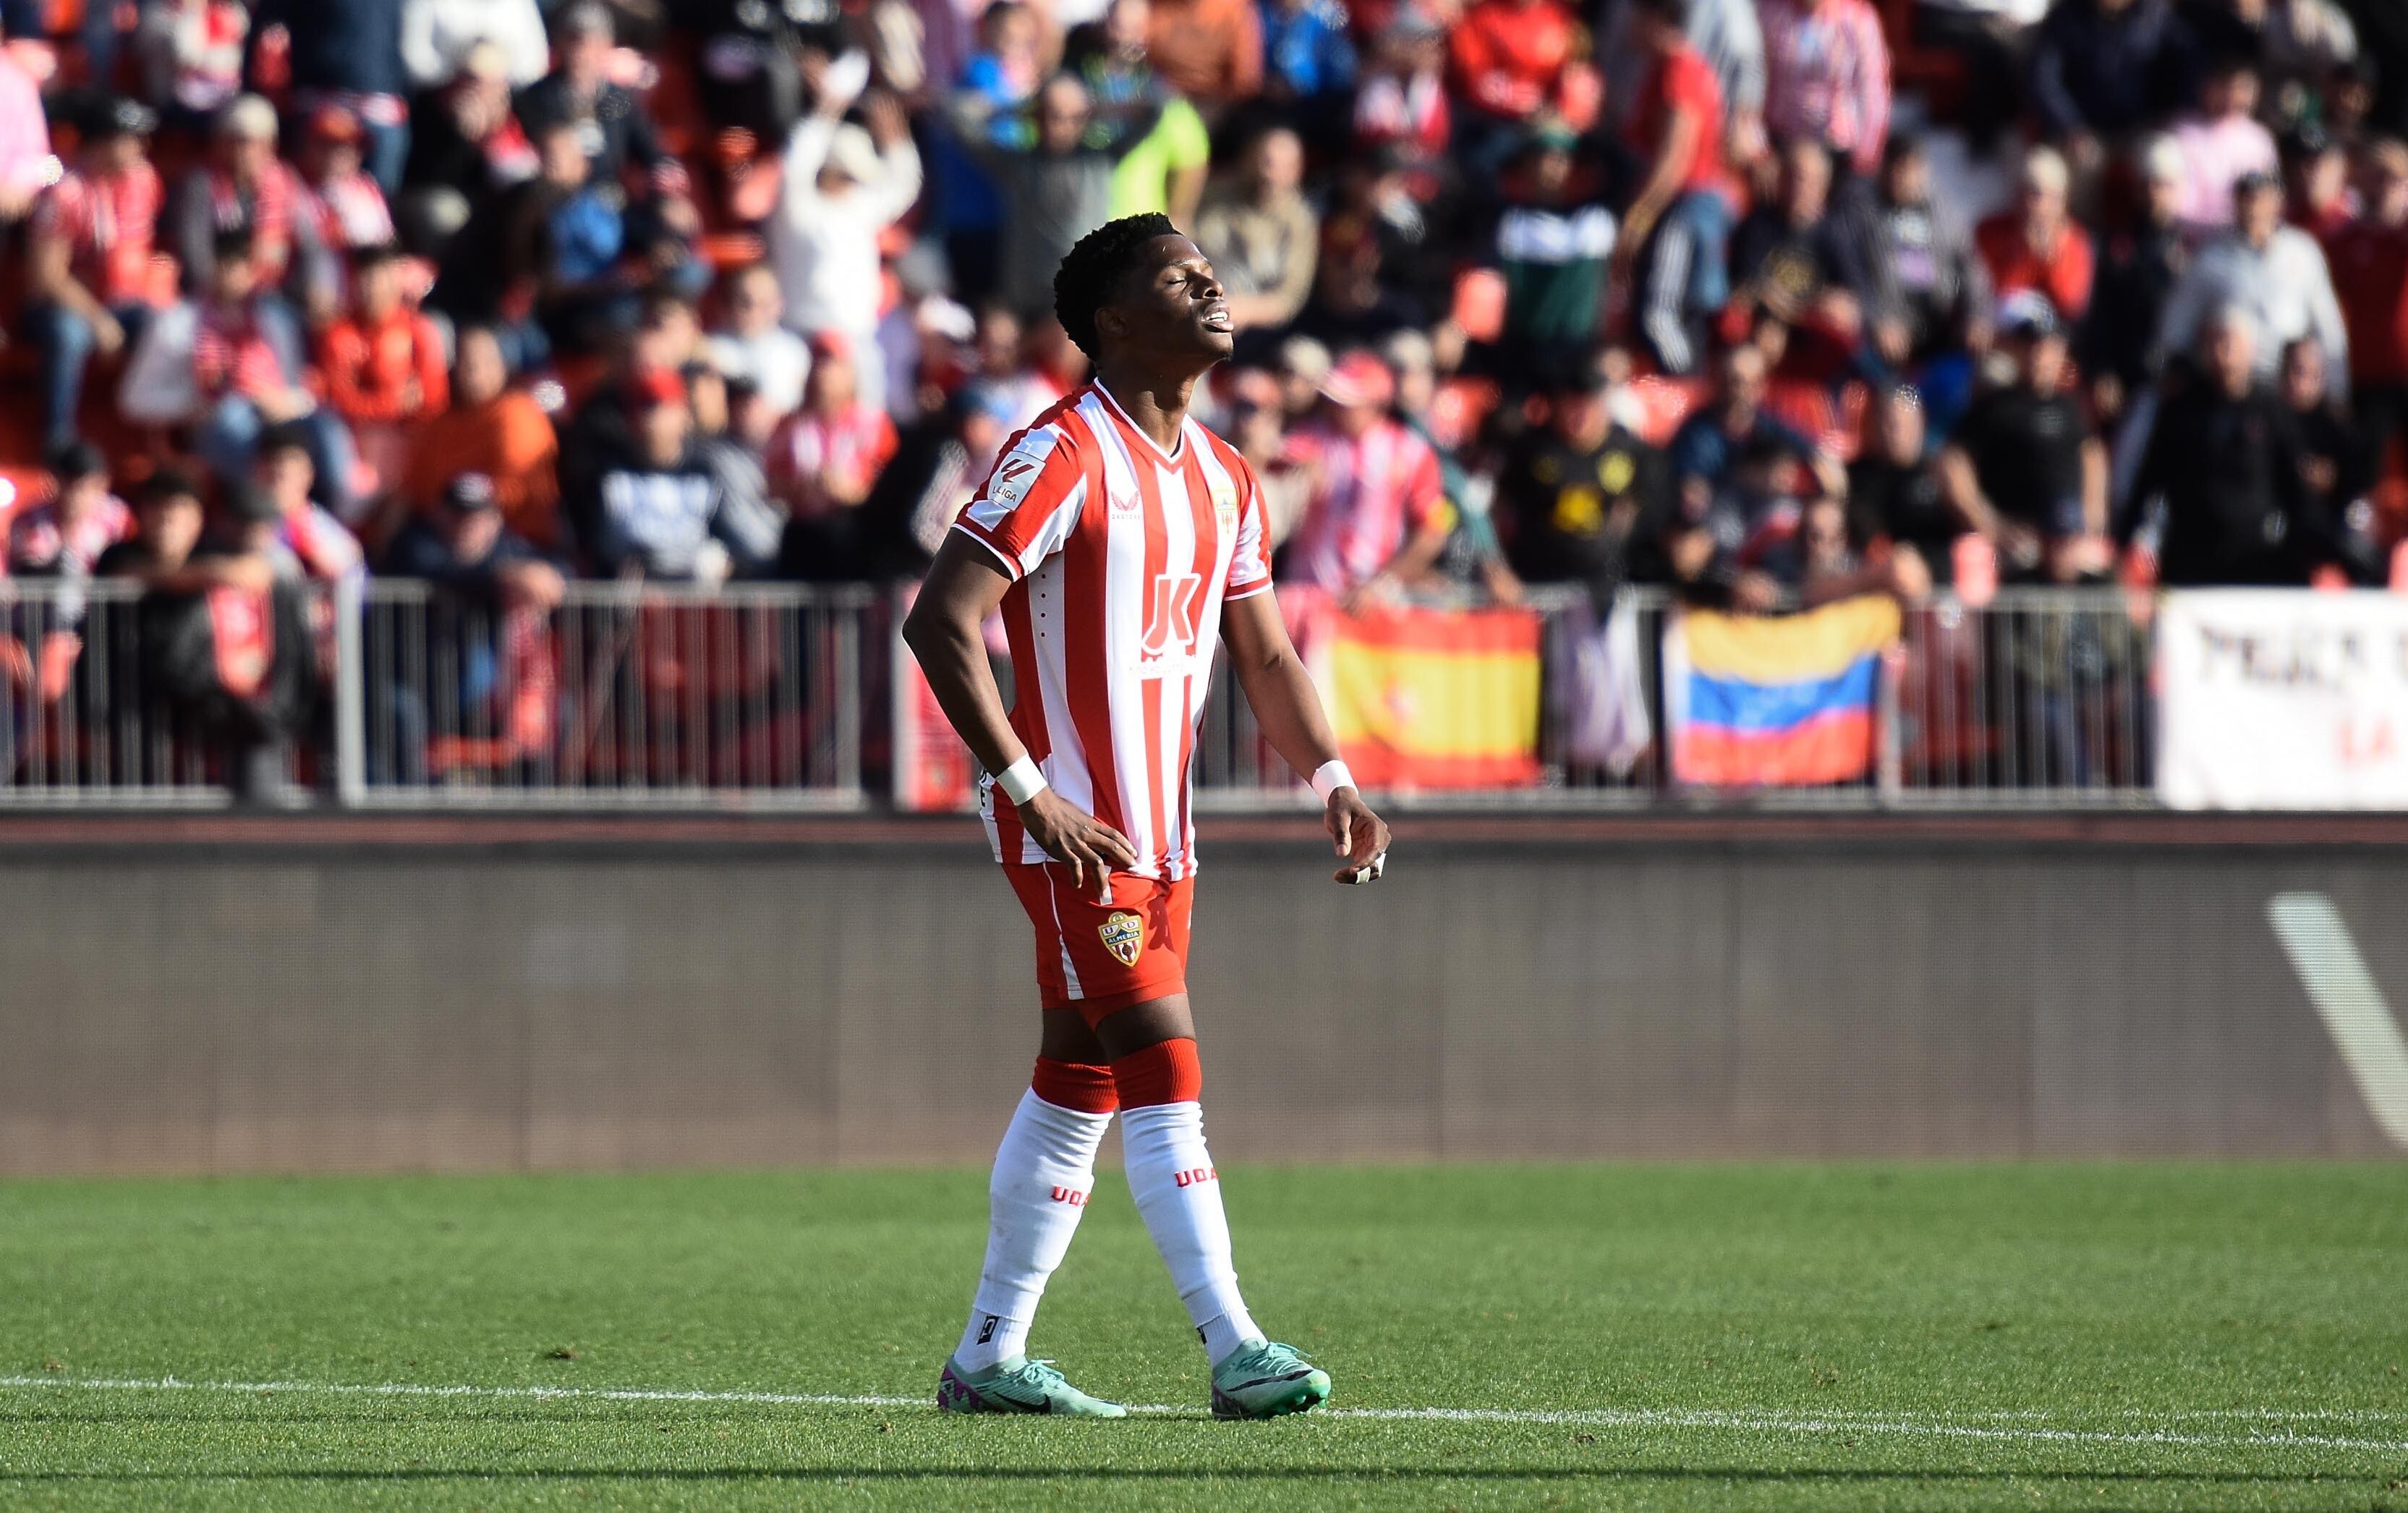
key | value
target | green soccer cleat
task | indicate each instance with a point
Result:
(1018, 1385)
(1264, 1380)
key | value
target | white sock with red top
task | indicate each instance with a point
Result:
(1043, 1172)
(1178, 1191)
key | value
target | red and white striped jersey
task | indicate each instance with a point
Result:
(1121, 556)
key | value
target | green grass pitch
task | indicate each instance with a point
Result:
(1706, 1336)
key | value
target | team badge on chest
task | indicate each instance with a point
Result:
(1124, 936)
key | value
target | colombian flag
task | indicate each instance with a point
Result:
(1421, 698)
(1785, 701)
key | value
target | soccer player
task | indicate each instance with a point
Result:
(1119, 538)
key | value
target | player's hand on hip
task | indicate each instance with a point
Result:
(1360, 835)
(1092, 849)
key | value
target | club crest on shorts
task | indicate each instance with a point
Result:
(1124, 936)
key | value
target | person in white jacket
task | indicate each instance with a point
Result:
(2275, 272)
(844, 186)
(436, 34)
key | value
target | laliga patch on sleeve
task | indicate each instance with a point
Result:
(1014, 476)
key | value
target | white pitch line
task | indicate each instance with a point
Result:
(1811, 1426)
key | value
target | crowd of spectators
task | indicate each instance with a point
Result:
(1769, 300)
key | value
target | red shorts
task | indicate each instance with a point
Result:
(1098, 957)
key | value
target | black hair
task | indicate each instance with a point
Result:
(165, 484)
(1091, 276)
(375, 254)
(78, 458)
(232, 244)
(1675, 11)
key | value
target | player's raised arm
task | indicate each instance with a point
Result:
(964, 586)
(1288, 709)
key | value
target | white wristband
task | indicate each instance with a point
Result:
(1330, 778)
(1021, 781)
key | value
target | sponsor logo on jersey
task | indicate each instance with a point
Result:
(1198, 1174)
(1067, 1195)
(1016, 473)
(1225, 503)
(1124, 936)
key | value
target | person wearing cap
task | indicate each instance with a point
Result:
(2275, 272)
(1554, 241)
(2137, 273)
(2037, 245)
(64, 536)
(437, 35)
(1379, 515)
(1573, 498)
(2025, 468)
(244, 186)
(89, 284)
(465, 548)
(1261, 235)
(191, 54)
(844, 186)
(663, 511)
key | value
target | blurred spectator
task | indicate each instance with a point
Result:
(2275, 272)
(338, 197)
(64, 537)
(1054, 191)
(1555, 239)
(2136, 279)
(88, 255)
(2322, 198)
(1827, 77)
(464, 545)
(2104, 69)
(1509, 63)
(190, 54)
(1259, 429)
(828, 456)
(1576, 492)
(220, 641)
(2370, 273)
(2025, 469)
(2221, 145)
(1208, 50)
(303, 539)
(1354, 302)
(1897, 490)
(27, 165)
(384, 366)
(844, 187)
(1726, 32)
(437, 35)
(2225, 461)
(1167, 149)
(1934, 293)
(1992, 38)
(754, 346)
(613, 124)
(2331, 464)
(1676, 230)
(497, 432)
(1262, 237)
(466, 150)
(1707, 446)
(348, 56)
(248, 370)
(245, 187)
(1799, 261)
(2037, 246)
(663, 512)
(1402, 108)
(1308, 59)
(1734, 543)
(1377, 519)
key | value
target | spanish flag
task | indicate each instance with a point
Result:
(1785, 701)
(1421, 698)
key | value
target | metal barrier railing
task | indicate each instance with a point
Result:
(623, 696)
(407, 695)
